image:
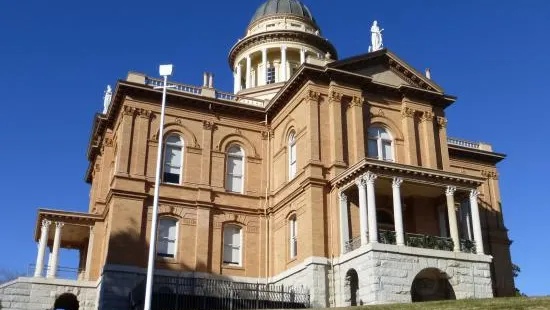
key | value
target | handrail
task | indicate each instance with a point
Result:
(241, 99)
(178, 86)
(69, 273)
(463, 143)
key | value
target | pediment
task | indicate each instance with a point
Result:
(385, 67)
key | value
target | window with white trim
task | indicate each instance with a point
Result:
(173, 159)
(167, 237)
(291, 155)
(380, 144)
(234, 180)
(270, 75)
(293, 236)
(232, 249)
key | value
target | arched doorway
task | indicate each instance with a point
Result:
(431, 284)
(351, 287)
(66, 301)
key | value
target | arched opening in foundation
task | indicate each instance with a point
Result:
(431, 284)
(351, 287)
(66, 301)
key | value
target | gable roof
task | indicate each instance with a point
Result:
(389, 60)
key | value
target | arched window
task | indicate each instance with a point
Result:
(291, 155)
(293, 241)
(234, 180)
(173, 159)
(232, 241)
(167, 237)
(380, 144)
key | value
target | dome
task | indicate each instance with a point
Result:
(282, 7)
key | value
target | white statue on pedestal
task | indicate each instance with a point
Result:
(107, 98)
(376, 37)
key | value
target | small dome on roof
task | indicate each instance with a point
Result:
(282, 7)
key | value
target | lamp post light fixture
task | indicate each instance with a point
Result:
(165, 71)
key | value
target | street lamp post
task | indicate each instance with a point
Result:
(165, 71)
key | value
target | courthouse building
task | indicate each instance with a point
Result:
(333, 175)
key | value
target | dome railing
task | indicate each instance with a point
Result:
(240, 99)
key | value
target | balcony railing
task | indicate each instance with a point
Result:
(240, 99)
(177, 86)
(463, 143)
(66, 273)
(417, 241)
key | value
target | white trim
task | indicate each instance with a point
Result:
(243, 162)
(181, 161)
(240, 262)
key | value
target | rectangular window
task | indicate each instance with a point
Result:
(235, 177)
(167, 236)
(292, 159)
(373, 148)
(172, 164)
(270, 78)
(232, 245)
(293, 238)
(386, 149)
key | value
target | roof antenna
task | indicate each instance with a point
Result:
(428, 74)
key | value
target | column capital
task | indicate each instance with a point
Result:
(46, 224)
(313, 95)
(356, 101)
(442, 122)
(360, 182)
(397, 182)
(343, 197)
(450, 191)
(283, 47)
(407, 112)
(474, 193)
(59, 225)
(369, 177)
(427, 116)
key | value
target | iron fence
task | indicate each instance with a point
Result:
(174, 293)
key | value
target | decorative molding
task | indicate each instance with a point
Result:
(408, 76)
(59, 225)
(369, 177)
(474, 193)
(108, 142)
(427, 116)
(209, 125)
(45, 224)
(407, 112)
(356, 102)
(335, 96)
(238, 131)
(343, 197)
(128, 110)
(489, 174)
(144, 113)
(442, 122)
(360, 182)
(396, 183)
(313, 95)
(450, 191)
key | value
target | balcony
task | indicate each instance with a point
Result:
(417, 241)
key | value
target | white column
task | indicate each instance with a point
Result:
(238, 78)
(264, 63)
(45, 227)
(89, 254)
(54, 258)
(474, 208)
(371, 205)
(363, 224)
(453, 226)
(302, 55)
(344, 229)
(248, 71)
(283, 64)
(397, 211)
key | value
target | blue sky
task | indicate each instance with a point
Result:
(56, 58)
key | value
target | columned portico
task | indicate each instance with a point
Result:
(371, 206)
(474, 210)
(451, 213)
(54, 257)
(44, 230)
(363, 224)
(397, 211)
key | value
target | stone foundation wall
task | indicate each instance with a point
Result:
(386, 273)
(40, 293)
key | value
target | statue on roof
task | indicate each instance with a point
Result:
(107, 98)
(376, 38)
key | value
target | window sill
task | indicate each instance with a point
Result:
(232, 267)
(165, 259)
